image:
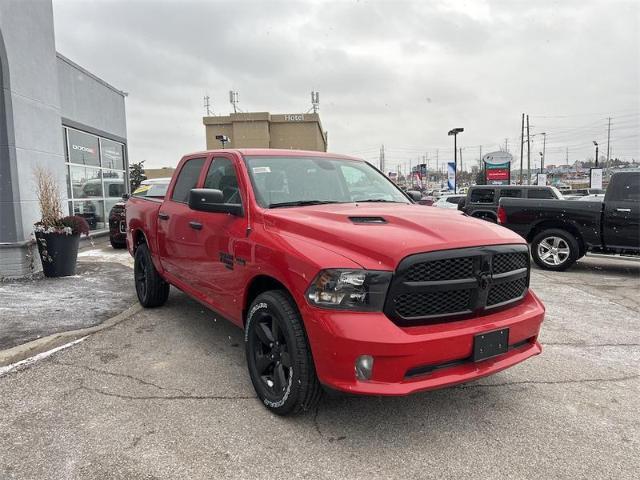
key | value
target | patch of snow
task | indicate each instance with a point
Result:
(31, 360)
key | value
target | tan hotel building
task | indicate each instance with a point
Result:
(300, 131)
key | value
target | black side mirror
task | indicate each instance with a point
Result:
(414, 195)
(212, 200)
(125, 196)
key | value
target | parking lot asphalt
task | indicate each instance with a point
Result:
(166, 394)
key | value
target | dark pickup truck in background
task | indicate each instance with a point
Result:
(562, 231)
(482, 200)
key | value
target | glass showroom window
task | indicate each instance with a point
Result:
(96, 176)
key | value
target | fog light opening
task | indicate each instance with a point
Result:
(364, 367)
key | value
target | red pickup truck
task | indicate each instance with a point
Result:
(338, 277)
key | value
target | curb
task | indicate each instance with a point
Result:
(29, 349)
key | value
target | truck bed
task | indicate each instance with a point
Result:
(142, 213)
(525, 216)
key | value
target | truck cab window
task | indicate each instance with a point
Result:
(482, 195)
(625, 188)
(541, 193)
(222, 176)
(510, 193)
(187, 179)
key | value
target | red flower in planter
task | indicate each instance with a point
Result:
(77, 224)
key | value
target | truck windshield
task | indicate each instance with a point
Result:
(300, 181)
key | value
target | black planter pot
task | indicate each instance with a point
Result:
(58, 253)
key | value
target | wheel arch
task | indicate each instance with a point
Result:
(139, 237)
(259, 284)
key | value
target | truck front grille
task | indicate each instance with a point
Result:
(451, 284)
(506, 292)
(446, 269)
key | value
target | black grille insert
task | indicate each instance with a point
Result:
(446, 269)
(505, 292)
(508, 262)
(451, 284)
(411, 305)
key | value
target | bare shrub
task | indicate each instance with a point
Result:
(48, 193)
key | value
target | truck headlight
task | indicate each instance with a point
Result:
(361, 290)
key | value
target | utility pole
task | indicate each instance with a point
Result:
(544, 151)
(521, 148)
(528, 152)
(608, 139)
(460, 159)
(506, 144)
(437, 166)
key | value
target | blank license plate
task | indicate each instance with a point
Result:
(490, 344)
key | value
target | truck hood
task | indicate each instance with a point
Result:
(400, 230)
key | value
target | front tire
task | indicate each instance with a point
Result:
(152, 290)
(555, 249)
(278, 355)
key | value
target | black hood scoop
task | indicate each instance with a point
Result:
(367, 220)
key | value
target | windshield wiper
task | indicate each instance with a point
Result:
(300, 203)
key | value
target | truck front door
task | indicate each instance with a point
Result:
(621, 226)
(220, 272)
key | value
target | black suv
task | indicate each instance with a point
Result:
(482, 200)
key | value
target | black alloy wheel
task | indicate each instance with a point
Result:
(270, 354)
(140, 276)
(278, 355)
(151, 288)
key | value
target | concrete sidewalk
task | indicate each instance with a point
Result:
(34, 308)
(39, 307)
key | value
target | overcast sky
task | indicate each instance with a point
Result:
(398, 73)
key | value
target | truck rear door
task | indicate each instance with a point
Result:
(621, 223)
(177, 239)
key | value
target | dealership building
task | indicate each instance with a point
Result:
(57, 115)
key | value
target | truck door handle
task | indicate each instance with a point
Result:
(163, 216)
(623, 209)
(195, 225)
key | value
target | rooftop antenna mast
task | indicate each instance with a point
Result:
(207, 106)
(315, 102)
(233, 99)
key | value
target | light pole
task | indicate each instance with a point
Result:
(544, 151)
(541, 162)
(455, 133)
(596, 144)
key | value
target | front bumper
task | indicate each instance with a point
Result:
(412, 359)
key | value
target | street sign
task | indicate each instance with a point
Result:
(542, 179)
(497, 166)
(596, 178)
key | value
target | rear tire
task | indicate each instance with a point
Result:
(152, 290)
(278, 355)
(555, 249)
(117, 245)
